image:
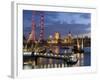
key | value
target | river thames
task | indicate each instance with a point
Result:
(84, 59)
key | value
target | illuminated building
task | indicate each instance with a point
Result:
(50, 38)
(69, 38)
(65, 40)
(56, 37)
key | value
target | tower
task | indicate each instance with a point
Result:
(57, 35)
(41, 37)
(32, 37)
(78, 45)
(69, 38)
(82, 43)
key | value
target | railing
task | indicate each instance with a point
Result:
(67, 59)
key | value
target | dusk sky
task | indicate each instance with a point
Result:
(62, 22)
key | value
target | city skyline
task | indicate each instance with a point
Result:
(62, 22)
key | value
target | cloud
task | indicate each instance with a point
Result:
(86, 16)
(58, 22)
(65, 28)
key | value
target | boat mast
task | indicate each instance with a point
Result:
(78, 45)
(82, 45)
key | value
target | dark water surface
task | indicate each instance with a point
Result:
(84, 58)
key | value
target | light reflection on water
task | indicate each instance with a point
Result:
(84, 59)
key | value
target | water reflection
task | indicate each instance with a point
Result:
(80, 57)
(83, 58)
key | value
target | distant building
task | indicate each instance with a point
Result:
(68, 39)
(54, 39)
(57, 35)
(50, 38)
